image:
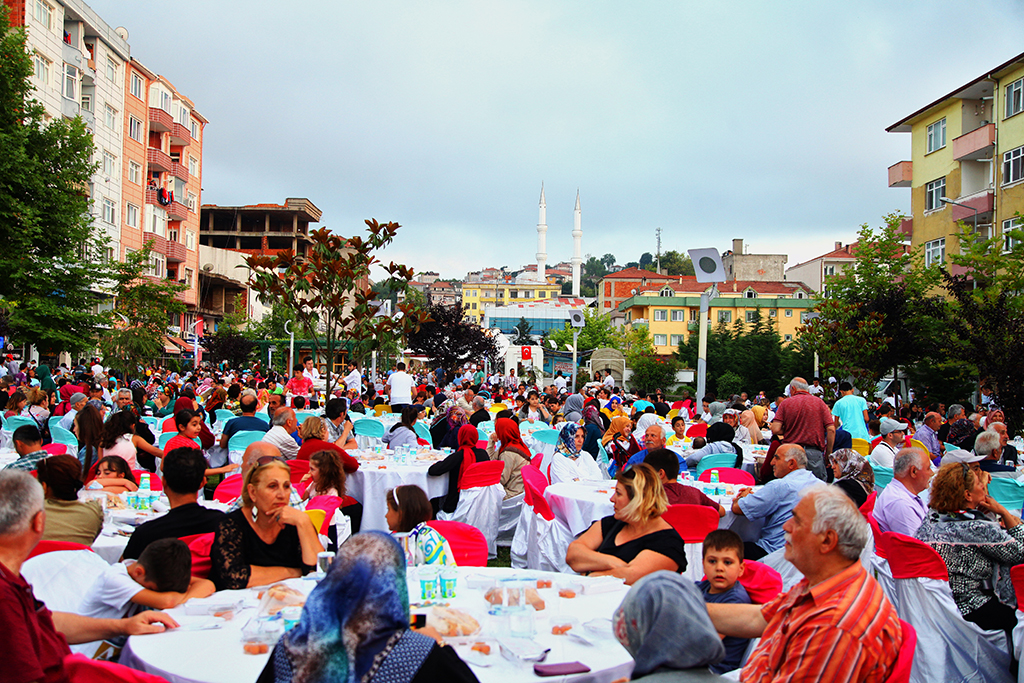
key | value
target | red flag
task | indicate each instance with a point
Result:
(527, 353)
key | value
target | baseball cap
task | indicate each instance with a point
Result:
(888, 426)
(960, 455)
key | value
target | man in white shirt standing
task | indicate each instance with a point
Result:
(559, 382)
(354, 379)
(893, 434)
(399, 388)
(97, 369)
(609, 382)
(309, 370)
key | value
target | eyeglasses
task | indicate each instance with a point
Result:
(267, 459)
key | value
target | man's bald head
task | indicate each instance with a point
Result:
(933, 420)
(255, 451)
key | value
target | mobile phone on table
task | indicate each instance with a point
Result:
(563, 669)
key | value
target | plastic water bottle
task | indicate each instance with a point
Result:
(714, 481)
(1018, 443)
(143, 491)
(144, 482)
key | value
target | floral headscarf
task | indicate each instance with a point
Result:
(854, 466)
(567, 440)
(456, 417)
(592, 417)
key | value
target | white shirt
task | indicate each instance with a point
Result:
(563, 468)
(353, 380)
(883, 455)
(609, 381)
(97, 370)
(311, 374)
(560, 383)
(400, 384)
(283, 440)
(816, 390)
(111, 594)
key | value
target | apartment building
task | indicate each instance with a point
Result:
(967, 161)
(614, 288)
(265, 229)
(506, 290)
(671, 310)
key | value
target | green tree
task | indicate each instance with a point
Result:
(646, 259)
(676, 263)
(521, 336)
(229, 344)
(608, 260)
(597, 333)
(52, 258)
(328, 288)
(729, 383)
(447, 339)
(138, 322)
(651, 372)
(848, 342)
(273, 325)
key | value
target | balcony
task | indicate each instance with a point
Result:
(907, 228)
(158, 160)
(981, 201)
(176, 211)
(174, 251)
(69, 108)
(159, 242)
(160, 121)
(900, 174)
(179, 171)
(980, 143)
(180, 135)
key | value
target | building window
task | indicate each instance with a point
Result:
(803, 317)
(1009, 242)
(936, 136)
(136, 85)
(679, 316)
(675, 339)
(193, 166)
(109, 164)
(666, 291)
(195, 129)
(189, 274)
(829, 271)
(134, 172)
(725, 316)
(165, 101)
(111, 69)
(1013, 165)
(172, 235)
(788, 337)
(87, 102)
(1015, 97)
(44, 14)
(751, 316)
(192, 202)
(933, 192)
(157, 222)
(109, 211)
(70, 82)
(157, 265)
(789, 313)
(660, 340)
(660, 315)
(131, 216)
(935, 252)
(42, 66)
(799, 295)
(773, 313)
(110, 117)
(135, 129)
(190, 240)
(750, 294)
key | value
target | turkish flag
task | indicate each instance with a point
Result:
(527, 353)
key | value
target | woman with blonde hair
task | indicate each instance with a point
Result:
(266, 540)
(634, 541)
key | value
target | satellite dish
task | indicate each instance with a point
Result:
(207, 267)
(707, 265)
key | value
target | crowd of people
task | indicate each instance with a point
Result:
(813, 480)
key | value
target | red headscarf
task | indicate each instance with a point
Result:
(468, 436)
(508, 433)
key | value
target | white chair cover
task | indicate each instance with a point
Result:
(948, 647)
(509, 518)
(1018, 644)
(480, 506)
(521, 539)
(883, 575)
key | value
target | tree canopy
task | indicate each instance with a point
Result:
(448, 339)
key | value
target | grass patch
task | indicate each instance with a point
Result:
(504, 558)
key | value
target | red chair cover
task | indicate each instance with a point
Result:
(677, 405)
(876, 531)
(467, 542)
(229, 489)
(1017, 577)
(729, 475)
(910, 558)
(762, 583)
(298, 468)
(329, 504)
(424, 442)
(81, 669)
(52, 546)
(55, 448)
(699, 429)
(535, 498)
(155, 483)
(692, 522)
(869, 504)
(534, 476)
(482, 444)
(905, 659)
(482, 474)
(199, 547)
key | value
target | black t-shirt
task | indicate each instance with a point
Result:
(666, 542)
(479, 416)
(854, 490)
(237, 547)
(186, 520)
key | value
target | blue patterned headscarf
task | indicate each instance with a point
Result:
(567, 439)
(352, 613)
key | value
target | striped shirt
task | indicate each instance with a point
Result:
(842, 629)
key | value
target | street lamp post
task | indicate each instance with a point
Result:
(947, 200)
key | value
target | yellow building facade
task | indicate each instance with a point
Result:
(478, 295)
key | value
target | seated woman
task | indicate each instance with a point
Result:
(454, 420)
(506, 444)
(355, 626)
(455, 466)
(16, 404)
(120, 439)
(569, 461)
(408, 512)
(974, 548)
(593, 428)
(403, 433)
(113, 476)
(88, 429)
(635, 540)
(67, 519)
(313, 432)
(619, 443)
(265, 540)
(853, 474)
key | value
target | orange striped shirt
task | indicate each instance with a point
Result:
(842, 629)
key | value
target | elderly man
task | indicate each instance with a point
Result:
(75, 404)
(774, 502)
(280, 435)
(466, 400)
(899, 507)
(806, 421)
(479, 413)
(274, 403)
(836, 625)
(35, 640)
(246, 422)
(989, 445)
(122, 400)
(1009, 451)
(654, 439)
(928, 434)
(960, 430)
(894, 434)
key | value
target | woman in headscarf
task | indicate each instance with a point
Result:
(619, 443)
(506, 444)
(456, 418)
(593, 428)
(573, 408)
(46, 380)
(663, 624)
(439, 425)
(569, 461)
(614, 408)
(853, 474)
(719, 438)
(455, 466)
(716, 410)
(748, 419)
(355, 626)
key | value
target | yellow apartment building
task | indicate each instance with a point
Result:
(967, 147)
(477, 295)
(671, 311)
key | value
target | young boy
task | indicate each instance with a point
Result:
(679, 427)
(299, 384)
(723, 566)
(160, 579)
(190, 425)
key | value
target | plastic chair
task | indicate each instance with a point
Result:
(303, 415)
(1007, 492)
(223, 416)
(729, 475)
(151, 421)
(61, 435)
(905, 659)
(699, 429)
(876, 532)
(693, 523)
(168, 424)
(263, 416)
(914, 443)
(548, 436)
(1017, 578)
(199, 547)
(535, 476)
(498, 407)
(366, 427)
(883, 475)
(55, 448)
(716, 461)
(298, 468)
(862, 447)
(869, 504)
(229, 489)
(167, 436)
(239, 441)
(13, 423)
(381, 409)
(467, 542)
(950, 447)
(329, 505)
(317, 516)
(762, 583)
(480, 498)
(51, 423)
(44, 547)
(673, 413)
(422, 431)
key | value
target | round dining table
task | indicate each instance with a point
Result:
(378, 473)
(209, 649)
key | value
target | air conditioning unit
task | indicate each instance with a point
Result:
(174, 329)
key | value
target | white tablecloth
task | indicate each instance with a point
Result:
(216, 656)
(110, 544)
(370, 483)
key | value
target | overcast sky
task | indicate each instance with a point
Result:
(712, 120)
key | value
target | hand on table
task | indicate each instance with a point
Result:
(431, 632)
(743, 493)
(148, 622)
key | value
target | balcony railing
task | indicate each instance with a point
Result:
(180, 135)
(900, 174)
(907, 227)
(175, 252)
(982, 201)
(158, 160)
(179, 171)
(980, 143)
(176, 211)
(159, 120)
